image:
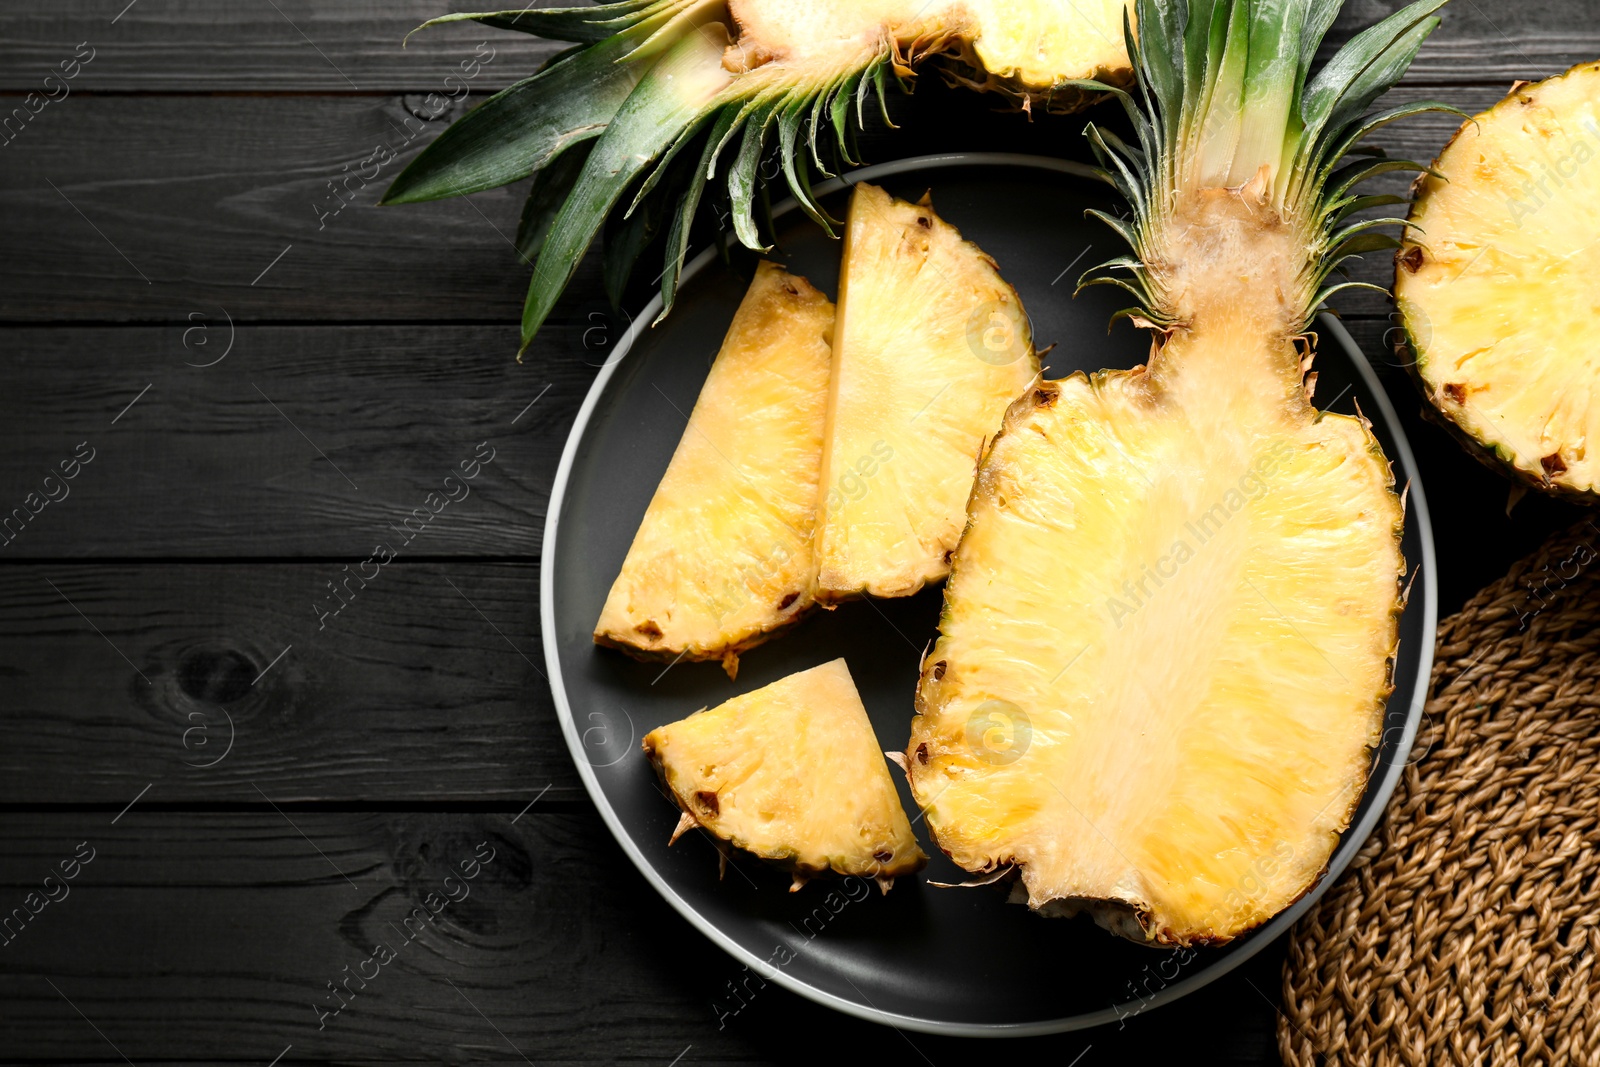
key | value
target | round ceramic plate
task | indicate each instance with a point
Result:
(957, 961)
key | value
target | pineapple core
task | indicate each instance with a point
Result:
(1166, 639)
(793, 773)
(1497, 287)
(931, 347)
(724, 555)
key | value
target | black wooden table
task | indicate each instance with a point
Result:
(253, 373)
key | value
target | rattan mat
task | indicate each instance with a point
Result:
(1465, 932)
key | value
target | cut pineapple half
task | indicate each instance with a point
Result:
(1496, 282)
(1164, 652)
(1167, 637)
(724, 555)
(931, 347)
(793, 773)
(664, 81)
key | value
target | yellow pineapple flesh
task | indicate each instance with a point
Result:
(793, 773)
(1026, 48)
(1496, 283)
(930, 348)
(724, 555)
(1167, 635)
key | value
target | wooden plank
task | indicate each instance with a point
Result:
(236, 45)
(239, 45)
(228, 204)
(1488, 43)
(213, 937)
(213, 683)
(205, 205)
(310, 440)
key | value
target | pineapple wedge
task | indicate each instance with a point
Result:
(793, 773)
(931, 347)
(723, 558)
(1496, 283)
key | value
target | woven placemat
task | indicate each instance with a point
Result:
(1466, 930)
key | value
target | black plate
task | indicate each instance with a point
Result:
(922, 958)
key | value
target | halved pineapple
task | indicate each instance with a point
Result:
(931, 347)
(1167, 636)
(1027, 48)
(793, 773)
(1164, 651)
(656, 78)
(1496, 282)
(724, 555)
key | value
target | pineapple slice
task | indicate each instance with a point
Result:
(724, 555)
(901, 447)
(1167, 636)
(793, 773)
(1496, 286)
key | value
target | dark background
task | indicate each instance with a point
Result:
(175, 207)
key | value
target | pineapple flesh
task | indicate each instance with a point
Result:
(793, 773)
(931, 346)
(1166, 644)
(1496, 286)
(724, 556)
(1029, 49)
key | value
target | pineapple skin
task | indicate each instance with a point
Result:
(1448, 391)
(723, 557)
(792, 773)
(900, 449)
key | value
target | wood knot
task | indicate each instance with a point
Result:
(467, 873)
(204, 692)
(216, 675)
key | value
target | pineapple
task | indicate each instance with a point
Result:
(1495, 284)
(653, 79)
(793, 773)
(900, 447)
(1168, 631)
(724, 556)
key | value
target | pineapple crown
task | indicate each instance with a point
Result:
(1224, 99)
(645, 102)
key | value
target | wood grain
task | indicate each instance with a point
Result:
(239, 45)
(213, 212)
(428, 685)
(234, 45)
(302, 441)
(211, 936)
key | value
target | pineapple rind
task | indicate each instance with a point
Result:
(723, 557)
(931, 347)
(793, 773)
(1494, 290)
(1170, 844)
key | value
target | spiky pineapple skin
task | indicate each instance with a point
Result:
(1416, 348)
